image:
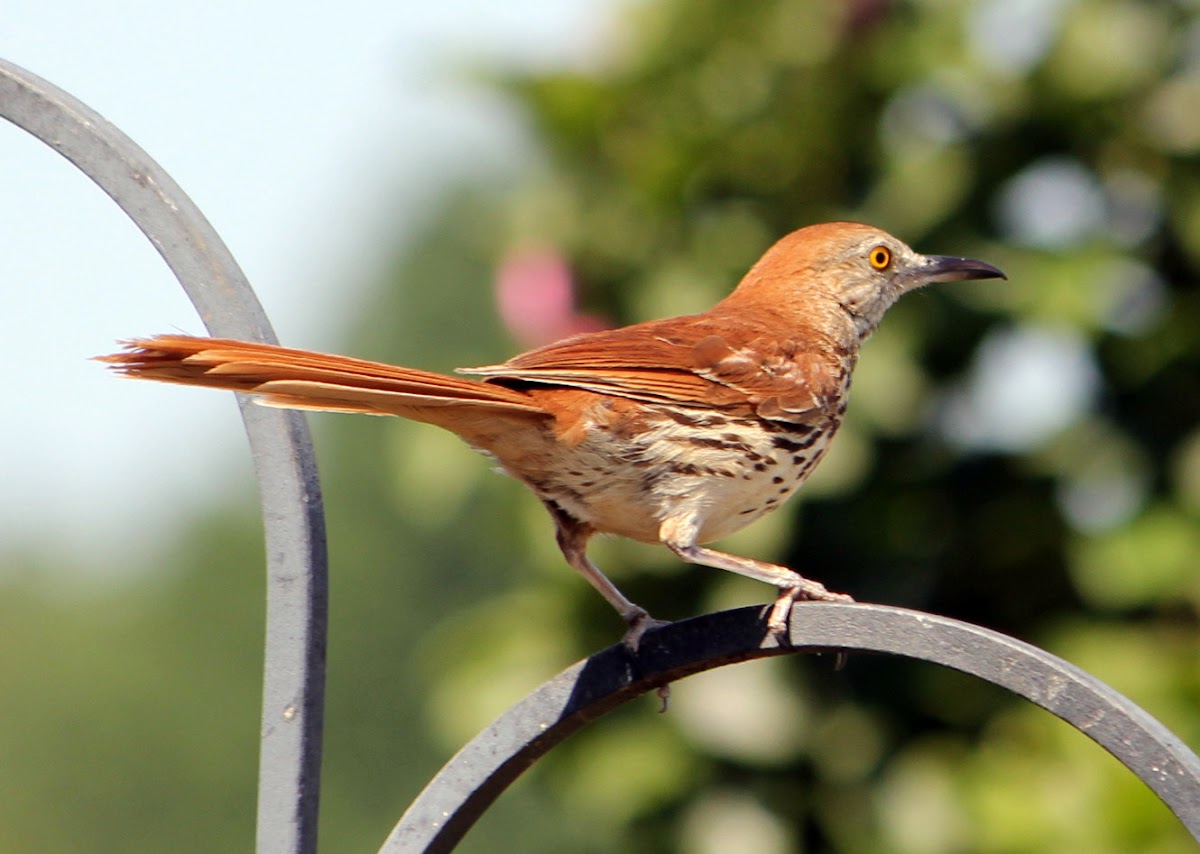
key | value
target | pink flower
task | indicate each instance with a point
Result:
(535, 295)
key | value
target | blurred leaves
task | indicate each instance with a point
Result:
(1018, 454)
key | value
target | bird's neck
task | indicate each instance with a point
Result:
(775, 306)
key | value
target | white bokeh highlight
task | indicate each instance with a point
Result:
(1025, 384)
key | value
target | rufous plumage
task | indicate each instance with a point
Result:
(677, 431)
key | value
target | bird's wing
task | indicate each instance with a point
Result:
(694, 361)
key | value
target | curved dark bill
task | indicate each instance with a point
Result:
(947, 268)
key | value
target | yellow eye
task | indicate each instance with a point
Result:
(880, 257)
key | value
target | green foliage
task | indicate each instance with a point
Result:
(130, 719)
(721, 126)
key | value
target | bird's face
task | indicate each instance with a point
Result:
(842, 277)
(869, 271)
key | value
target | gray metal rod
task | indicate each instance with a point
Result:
(487, 765)
(297, 589)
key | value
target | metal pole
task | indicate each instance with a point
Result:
(297, 589)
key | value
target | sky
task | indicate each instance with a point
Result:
(292, 126)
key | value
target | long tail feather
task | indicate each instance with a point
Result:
(302, 379)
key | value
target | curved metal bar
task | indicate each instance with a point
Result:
(478, 773)
(294, 668)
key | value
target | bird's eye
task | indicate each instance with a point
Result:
(880, 257)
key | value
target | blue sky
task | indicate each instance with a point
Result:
(293, 127)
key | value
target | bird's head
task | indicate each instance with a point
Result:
(850, 268)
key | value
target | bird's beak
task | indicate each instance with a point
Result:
(947, 268)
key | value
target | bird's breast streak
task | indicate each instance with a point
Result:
(726, 471)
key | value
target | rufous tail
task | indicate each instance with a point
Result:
(302, 379)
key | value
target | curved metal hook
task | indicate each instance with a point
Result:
(487, 765)
(297, 590)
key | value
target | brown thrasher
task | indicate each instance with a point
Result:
(679, 431)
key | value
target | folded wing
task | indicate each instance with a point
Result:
(687, 362)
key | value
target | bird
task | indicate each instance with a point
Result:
(678, 431)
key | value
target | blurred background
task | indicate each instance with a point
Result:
(445, 184)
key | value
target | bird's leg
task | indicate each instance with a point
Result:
(573, 537)
(679, 535)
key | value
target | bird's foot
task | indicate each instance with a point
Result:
(639, 623)
(805, 590)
